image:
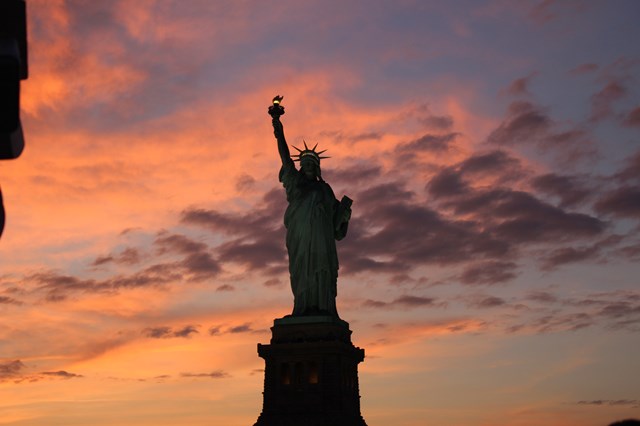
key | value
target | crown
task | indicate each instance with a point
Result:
(308, 154)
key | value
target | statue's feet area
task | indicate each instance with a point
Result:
(310, 328)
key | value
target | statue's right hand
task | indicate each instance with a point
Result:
(275, 111)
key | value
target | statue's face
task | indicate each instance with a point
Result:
(310, 169)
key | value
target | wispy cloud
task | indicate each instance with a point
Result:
(218, 374)
(166, 332)
(406, 301)
(17, 372)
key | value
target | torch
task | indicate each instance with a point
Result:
(276, 109)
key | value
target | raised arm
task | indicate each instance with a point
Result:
(283, 148)
(275, 111)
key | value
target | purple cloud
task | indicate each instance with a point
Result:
(520, 86)
(565, 255)
(622, 202)
(406, 301)
(602, 102)
(569, 189)
(166, 332)
(585, 68)
(632, 119)
(488, 272)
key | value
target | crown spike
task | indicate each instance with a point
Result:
(308, 153)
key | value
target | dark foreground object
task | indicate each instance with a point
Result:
(311, 374)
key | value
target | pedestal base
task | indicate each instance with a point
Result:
(311, 374)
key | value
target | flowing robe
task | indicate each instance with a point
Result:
(311, 234)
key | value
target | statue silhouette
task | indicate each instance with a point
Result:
(314, 219)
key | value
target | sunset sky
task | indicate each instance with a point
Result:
(492, 150)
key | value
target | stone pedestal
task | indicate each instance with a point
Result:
(311, 374)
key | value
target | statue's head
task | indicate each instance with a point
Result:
(309, 161)
(310, 168)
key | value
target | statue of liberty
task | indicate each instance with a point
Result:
(314, 219)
